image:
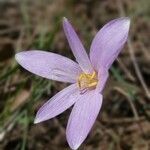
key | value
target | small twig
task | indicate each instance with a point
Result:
(137, 69)
(124, 68)
(132, 55)
(126, 120)
(146, 53)
(130, 102)
(10, 30)
(8, 125)
(133, 108)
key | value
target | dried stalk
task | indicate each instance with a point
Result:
(132, 55)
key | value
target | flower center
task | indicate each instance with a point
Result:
(87, 81)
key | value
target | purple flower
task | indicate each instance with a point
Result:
(87, 77)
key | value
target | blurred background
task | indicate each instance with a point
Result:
(123, 123)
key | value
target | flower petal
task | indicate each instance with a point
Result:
(77, 47)
(103, 75)
(82, 117)
(108, 42)
(49, 65)
(57, 104)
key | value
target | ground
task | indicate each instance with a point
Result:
(123, 122)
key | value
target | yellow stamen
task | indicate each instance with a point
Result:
(86, 81)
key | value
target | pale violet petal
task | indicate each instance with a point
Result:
(82, 118)
(58, 103)
(103, 75)
(77, 47)
(49, 65)
(108, 42)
